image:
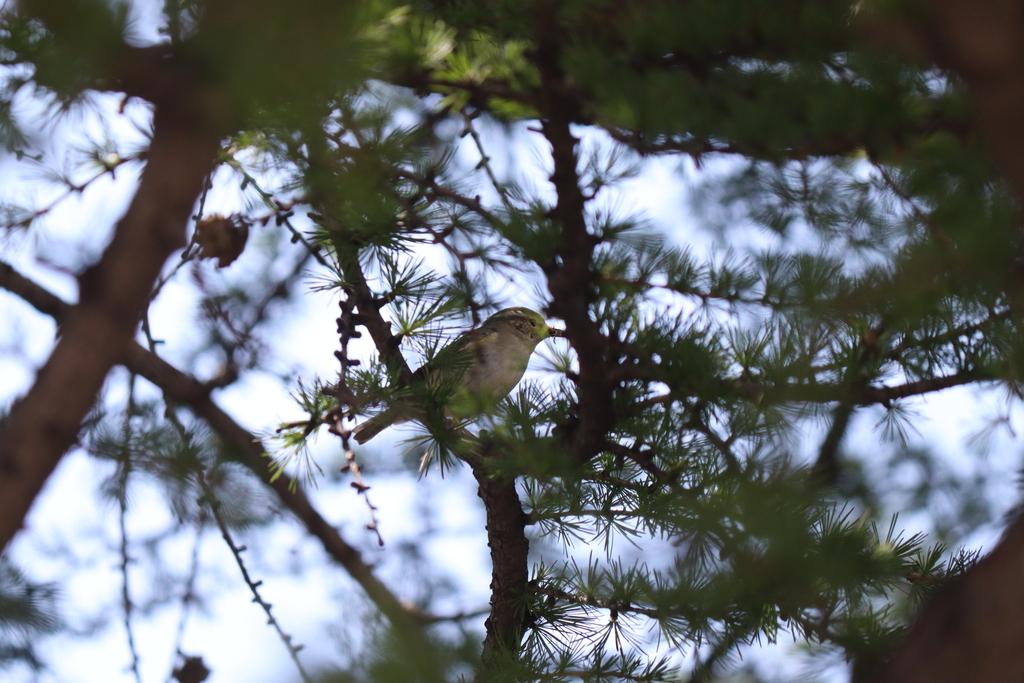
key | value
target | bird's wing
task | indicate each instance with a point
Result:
(459, 355)
(480, 338)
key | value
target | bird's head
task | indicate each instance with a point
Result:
(526, 321)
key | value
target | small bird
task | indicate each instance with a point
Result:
(474, 372)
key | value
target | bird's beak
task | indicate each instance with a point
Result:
(555, 332)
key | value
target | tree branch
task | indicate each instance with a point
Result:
(44, 423)
(369, 307)
(180, 387)
(183, 388)
(570, 278)
(863, 395)
(973, 630)
(506, 537)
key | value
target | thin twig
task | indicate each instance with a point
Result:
(188, 596)
(214, 506)
(346, 399)
(618, 606)
(186, 255)
(122, 504)
(485, 162)
(720, 444)
(281, 213)
(70, 189)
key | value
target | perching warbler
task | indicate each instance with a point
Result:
(476, 370)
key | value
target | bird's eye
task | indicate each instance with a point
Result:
(534, 323)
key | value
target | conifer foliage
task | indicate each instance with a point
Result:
(684, 484)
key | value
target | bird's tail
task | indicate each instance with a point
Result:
(368, 429)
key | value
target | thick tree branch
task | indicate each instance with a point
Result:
(506, 537)
(828, 466)
(570, 278)
(43, 424)
(974, 629)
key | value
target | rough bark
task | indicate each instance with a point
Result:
(506, 537)
(569, 273)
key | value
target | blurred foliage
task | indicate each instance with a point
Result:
(188, 463)
(28, 613)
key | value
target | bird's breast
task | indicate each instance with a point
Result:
(495, 372)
